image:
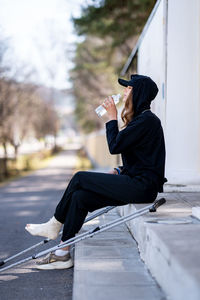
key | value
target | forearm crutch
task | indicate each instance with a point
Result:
(93, 216)
(150, 208)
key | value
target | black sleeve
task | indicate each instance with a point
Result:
(118, 141)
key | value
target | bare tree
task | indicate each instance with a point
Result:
(24, 111)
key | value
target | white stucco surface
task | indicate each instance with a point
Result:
(170, 54)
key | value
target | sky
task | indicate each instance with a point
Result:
(41, 38)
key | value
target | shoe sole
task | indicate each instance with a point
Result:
(58, 265)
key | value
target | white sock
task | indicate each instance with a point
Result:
(61, 252)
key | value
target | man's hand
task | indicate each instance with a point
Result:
(110, 107)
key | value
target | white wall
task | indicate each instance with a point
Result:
(183, 92)
(151, 58)
(173, 60)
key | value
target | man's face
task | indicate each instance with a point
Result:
(127, 92)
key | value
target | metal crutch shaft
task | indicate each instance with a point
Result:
(91, 233)
(101, 228)
(102, 211)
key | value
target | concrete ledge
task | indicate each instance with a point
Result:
(181, 188)
(108, 266)
(171, 252)
(196, 212)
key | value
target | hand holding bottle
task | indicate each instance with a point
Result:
(109, 107)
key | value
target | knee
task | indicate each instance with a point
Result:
(78, 174)
(76, 177)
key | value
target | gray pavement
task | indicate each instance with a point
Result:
(108, 266)
(32, 199)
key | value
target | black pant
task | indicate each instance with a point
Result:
(88, 191)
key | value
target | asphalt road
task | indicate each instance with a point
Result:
(32, 199)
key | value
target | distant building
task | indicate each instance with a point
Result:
(168, 50)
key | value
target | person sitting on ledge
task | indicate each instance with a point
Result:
(142, 147)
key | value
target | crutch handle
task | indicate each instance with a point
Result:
(158, 203)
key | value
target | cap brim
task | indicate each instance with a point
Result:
(123, 82)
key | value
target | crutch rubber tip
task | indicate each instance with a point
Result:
(2, 263)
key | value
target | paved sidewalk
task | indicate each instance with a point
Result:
(108, 266)
(32, 199)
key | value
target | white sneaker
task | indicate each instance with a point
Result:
(49, 229)
(52, 261)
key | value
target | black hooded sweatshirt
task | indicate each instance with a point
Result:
(141, 143)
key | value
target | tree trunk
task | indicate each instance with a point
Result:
(5, 172)
(16, 147)
(55, 144)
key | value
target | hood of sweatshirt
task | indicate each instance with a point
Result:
(144, 91)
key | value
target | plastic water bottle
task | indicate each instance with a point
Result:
(100, 110)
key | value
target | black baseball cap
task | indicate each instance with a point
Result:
(139, 81)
